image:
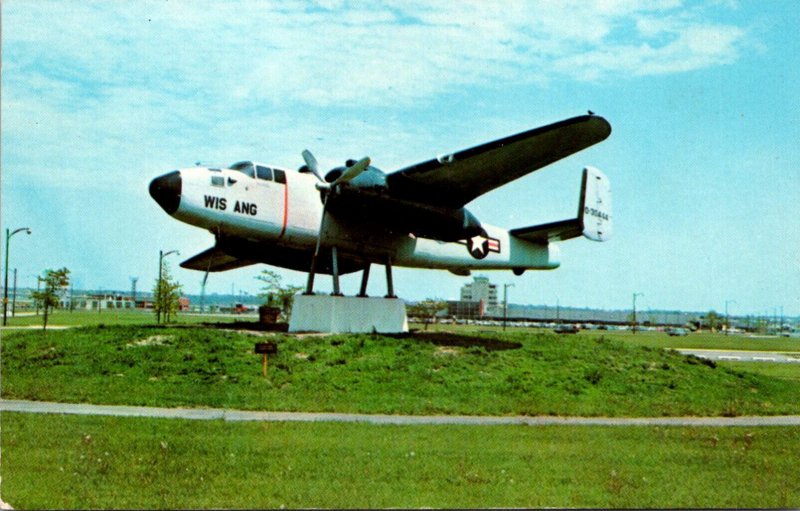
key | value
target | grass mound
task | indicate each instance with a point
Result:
(479, 374)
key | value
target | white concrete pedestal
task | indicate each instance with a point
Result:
(340, 314)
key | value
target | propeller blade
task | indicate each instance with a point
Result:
(203, 286)
(313, 270)
(353, 172)
(312, 164)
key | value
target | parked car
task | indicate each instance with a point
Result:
(675, 332)
(566, 329)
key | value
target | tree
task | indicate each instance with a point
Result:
(427, 309)
(275, 294)
(713, 321)
(167, 294)
(55, 284)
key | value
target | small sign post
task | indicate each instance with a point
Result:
(266, 348)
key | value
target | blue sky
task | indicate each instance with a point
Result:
(100, 97)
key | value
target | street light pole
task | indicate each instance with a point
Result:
(505, 303)
(727, 318)
(159, 284)
(634, 310)
(14, 297)
(9, 234)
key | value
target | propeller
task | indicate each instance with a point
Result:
(350, 173)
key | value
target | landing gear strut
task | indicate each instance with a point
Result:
(364, 278)
(335, 274)
(389, 284)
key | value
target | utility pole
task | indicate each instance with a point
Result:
(634, 310)
(727, 318)
(775, 317)
(14, 297)
(9, 234)
(505, 303)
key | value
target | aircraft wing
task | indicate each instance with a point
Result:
(455, 179)
(214, 260)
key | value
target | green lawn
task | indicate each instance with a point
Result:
(115, 317)
(52, 461)
(790, 372)
(68, 462)
(494, 374)
(700, 340)
(707, 340)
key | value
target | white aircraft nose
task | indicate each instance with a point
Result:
(166, 191)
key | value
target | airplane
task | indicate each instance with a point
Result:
(356, 215)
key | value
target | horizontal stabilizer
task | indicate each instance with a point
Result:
(554, 231)
(594, 215)
(214, 260)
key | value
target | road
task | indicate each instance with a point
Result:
(249, 415)
(744, 356)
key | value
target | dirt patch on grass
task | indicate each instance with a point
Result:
(446, 351)
(250, 325)
(461, 341)
(153, 340)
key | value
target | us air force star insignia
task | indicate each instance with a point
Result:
(479, 246)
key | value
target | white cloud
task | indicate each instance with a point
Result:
(94, 86)
(392, 53)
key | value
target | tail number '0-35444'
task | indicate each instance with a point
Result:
(221, 204)
(595, 212)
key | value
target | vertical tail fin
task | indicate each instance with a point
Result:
(595, 206)
(594, 215)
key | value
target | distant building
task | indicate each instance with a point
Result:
(97, 301)
(481, 290)
(462, 309)
(112, 301)
(183, 303)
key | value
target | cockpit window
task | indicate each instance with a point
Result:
(217, 181)
(245, 167)
(280, 176)
(264, 173)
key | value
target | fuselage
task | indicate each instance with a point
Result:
(268, 214)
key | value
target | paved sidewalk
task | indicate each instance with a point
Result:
(249, 415)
